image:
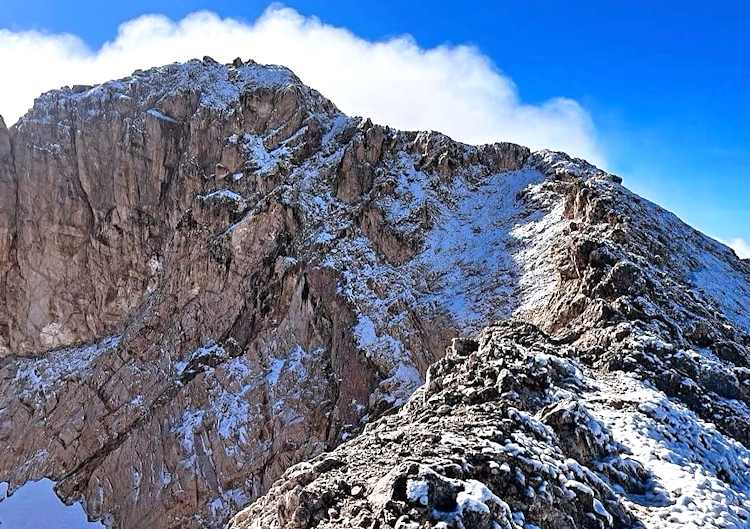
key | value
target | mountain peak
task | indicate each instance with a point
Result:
(209, 274)
(210, 85)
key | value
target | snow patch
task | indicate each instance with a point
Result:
(417, 491)
(159, 115)
(265, 162)
(705, 475)
(236, 200)
(39, 376)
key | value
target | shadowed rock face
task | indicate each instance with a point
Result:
(7, 226)
(210, 274)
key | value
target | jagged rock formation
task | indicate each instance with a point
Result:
(468, 451)
(509, 432)
(210, 274)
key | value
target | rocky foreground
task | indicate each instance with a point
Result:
(510, 432)
(210, 274)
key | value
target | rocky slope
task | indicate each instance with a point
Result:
(210, 274)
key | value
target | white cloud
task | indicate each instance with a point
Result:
(740, 246)
(454, 89)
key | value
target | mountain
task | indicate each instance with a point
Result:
(227, 301)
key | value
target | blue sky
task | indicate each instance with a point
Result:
(665, 83)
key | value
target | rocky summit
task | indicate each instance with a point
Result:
(226, 303)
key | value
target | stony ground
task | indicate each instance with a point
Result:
(509, 431)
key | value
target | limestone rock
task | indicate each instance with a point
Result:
(210, 274)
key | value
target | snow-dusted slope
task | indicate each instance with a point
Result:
(700, 478)
(211, 274)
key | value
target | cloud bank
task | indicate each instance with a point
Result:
(740, 246)
(454, 89)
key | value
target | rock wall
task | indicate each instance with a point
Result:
(7, 229)
(179, 326)
(211, 274)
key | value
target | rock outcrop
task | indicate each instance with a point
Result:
(210, 274)
(495, 438)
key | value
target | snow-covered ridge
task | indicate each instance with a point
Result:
(218, 87)
(700, 477)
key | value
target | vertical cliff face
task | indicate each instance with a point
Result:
(210, 274)
(104, 174)
(7, 229)
(123, 263)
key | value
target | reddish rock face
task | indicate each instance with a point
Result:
(180, 319)
(7, 228)
(159, 334)
(209, 274)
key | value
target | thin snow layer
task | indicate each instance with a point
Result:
(728, 288)
(290, 366)
(36, 506)
(208, 350)
(37, 376)
(472, 253)
(382, 328)
(710, 267)
(230, 408)
(225, 196)
(218, 87)
(286, 380)
(228, 503)
(469, 254)
(387, 350)
(265, 161)
(481, 251)
(160, 116)
(704, 475)
(233, 401)
(538, 279)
